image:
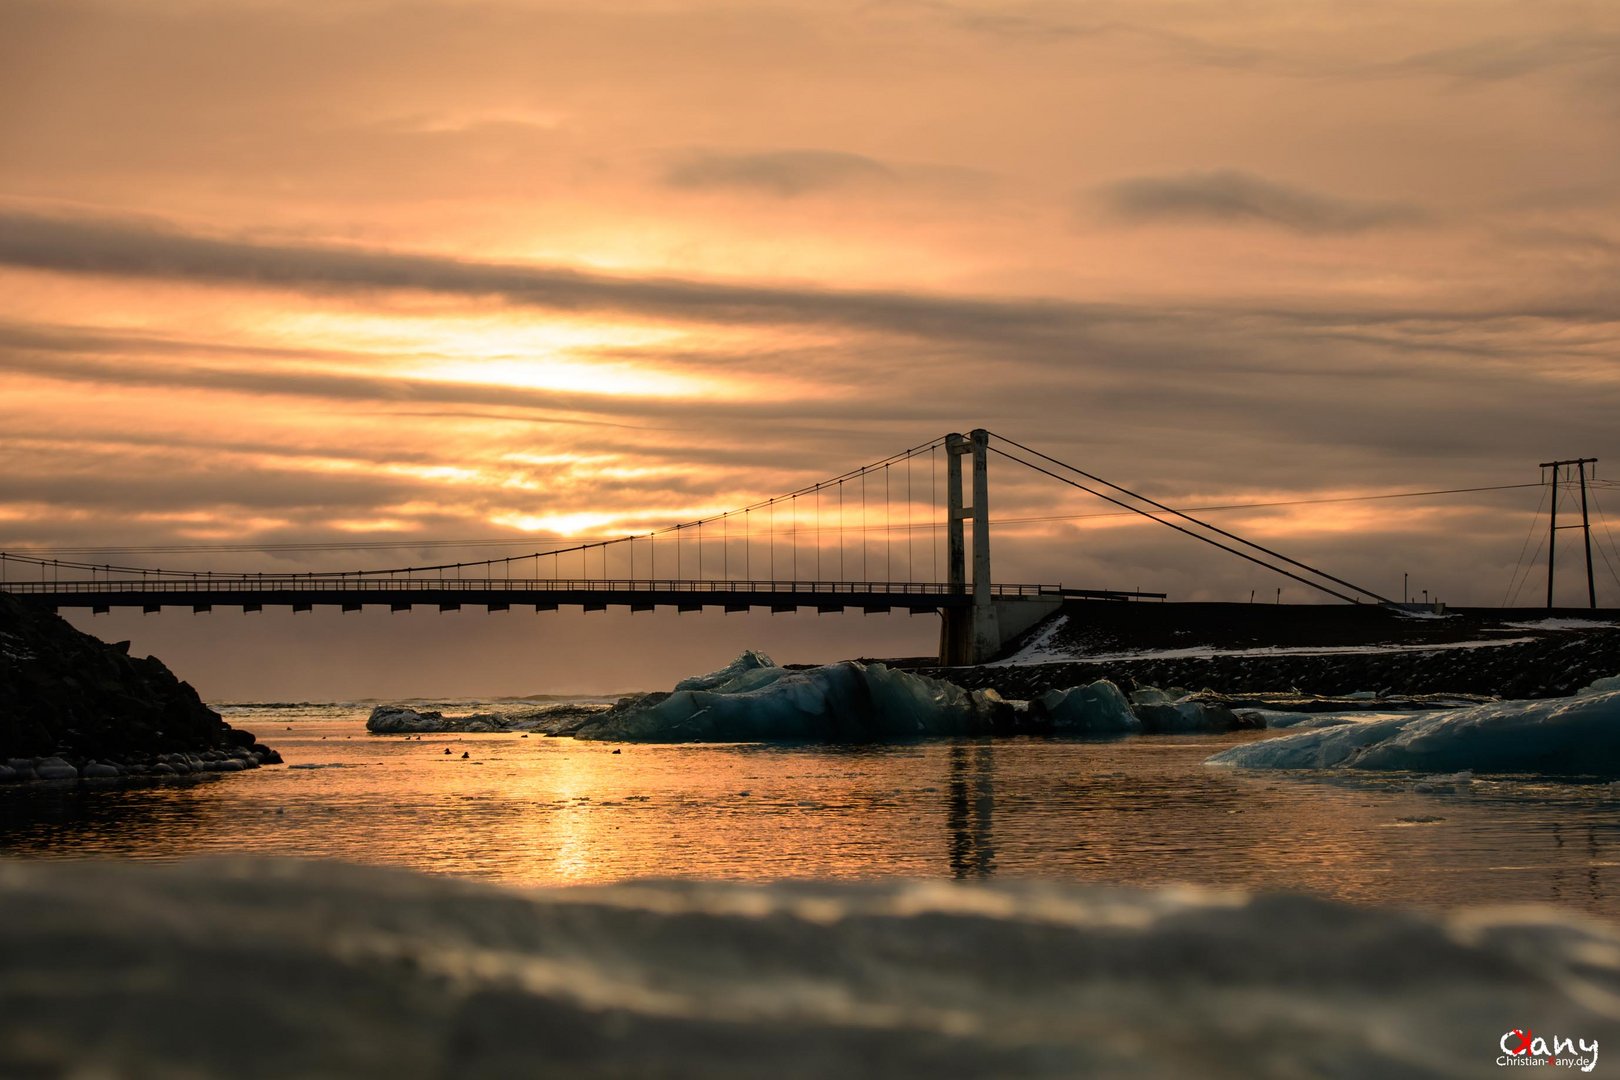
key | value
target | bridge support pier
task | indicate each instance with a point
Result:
(974, 634)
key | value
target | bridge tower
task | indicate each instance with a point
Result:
(968, 635)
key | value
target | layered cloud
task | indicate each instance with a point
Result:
(784, 173)
(1230, 197)
(366, 273)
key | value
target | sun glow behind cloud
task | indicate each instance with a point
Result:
(512, 349)
(1198, 253)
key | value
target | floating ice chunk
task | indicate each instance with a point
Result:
(1570, 736)
(1190, 714)
(1601, 686)
(845, 702)
(1301, 720)
(1096, 709)
(1174, 711)
(554, 719)
(391, 719)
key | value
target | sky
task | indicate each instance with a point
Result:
(357, 271)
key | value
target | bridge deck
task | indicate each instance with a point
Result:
(303, 592)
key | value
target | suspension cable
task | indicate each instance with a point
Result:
(1173, 525)
(1200, 523)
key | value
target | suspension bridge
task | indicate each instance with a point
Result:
(846, 543)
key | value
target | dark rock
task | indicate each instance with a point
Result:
(66, 695)
(1550, 664)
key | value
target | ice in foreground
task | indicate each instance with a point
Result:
(1573, 736)
(269, 969)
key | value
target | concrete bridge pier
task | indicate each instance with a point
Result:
(976, 633)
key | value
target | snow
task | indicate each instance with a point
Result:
(1410, 611)
(1199, 652)
(1564, 624)
(847, 701)
(261, 968)
(1039, 649)
(1573, 736)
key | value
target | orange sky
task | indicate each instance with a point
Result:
(279, 272)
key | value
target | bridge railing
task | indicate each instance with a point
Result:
(204, 582)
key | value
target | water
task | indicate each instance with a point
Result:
(1142, 810)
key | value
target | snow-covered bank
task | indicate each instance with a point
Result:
(275, 969)
(1573, 736)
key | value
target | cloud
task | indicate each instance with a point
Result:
(1497, 59)
(141, 250)
(782, 173)
(65, 364)
(1230, 197)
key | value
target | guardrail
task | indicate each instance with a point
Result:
(204, 582)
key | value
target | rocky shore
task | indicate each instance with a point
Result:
(1379, 652)
(74, 709)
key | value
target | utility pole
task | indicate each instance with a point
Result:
(1586, 529)
(1585, 526)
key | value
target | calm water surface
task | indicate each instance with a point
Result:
(1141, 810)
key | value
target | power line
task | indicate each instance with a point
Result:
(1518, 565)
(1603, 520)
(1528, 567)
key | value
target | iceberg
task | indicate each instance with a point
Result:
(1098, 708)
(752, 699)
(1300, 720)
(393, 719)
(849, 701)
(1573, 736)
(1176, 712)
(555, 719)
(740, 674)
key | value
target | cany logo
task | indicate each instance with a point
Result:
(1529, 1049)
